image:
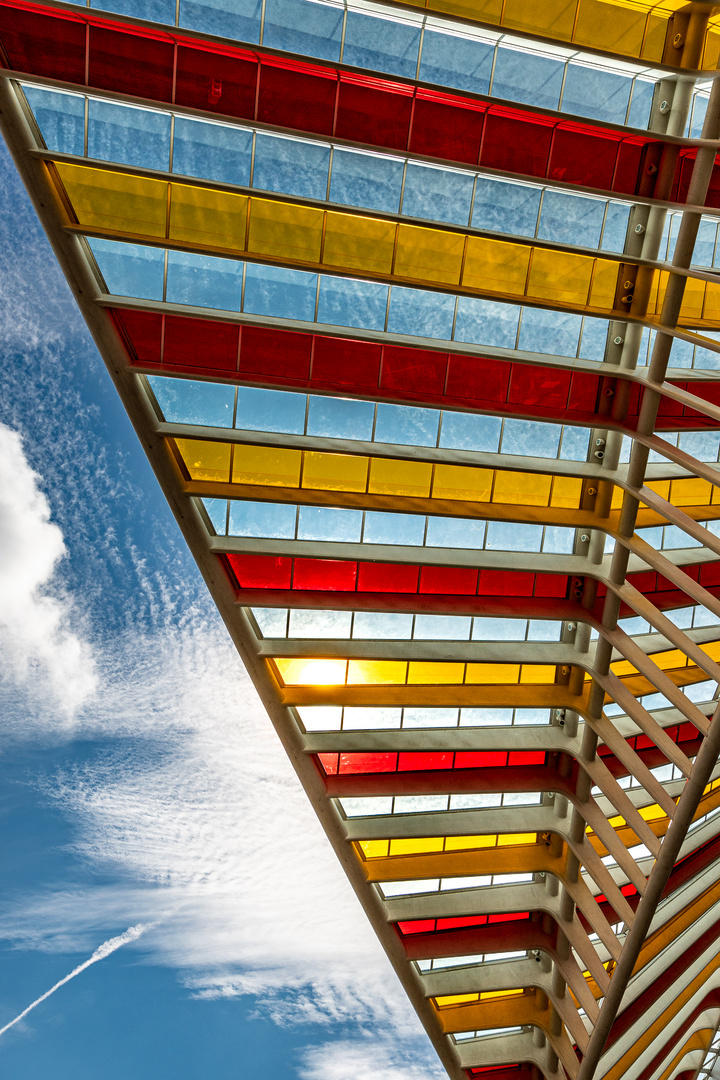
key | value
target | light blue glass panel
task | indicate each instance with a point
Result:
(345, 302)
(185, 401)
(700, 105)
(446, 532)
(502, 206)
(600, 95)
(571, 219)
(291, 166)
(274, 521)
(513, 536)
(340, 418)
(420, 314)
(499, 629)
(640, 103)
(204, 281)
(437, 194)
(558, 540)
(382, 528)
(703, 445)
(273, 290)
(60, 117)
(442, 627)
(381, 45)
(407, 425)
(429, 718)
(530, 438)
(549, 332)
(652, 536)
(130, 270)
(676, 538)
(485, 322)
(239, 19)
(213, 151)
(128, 135)
(593, 341)
(329, 523)
(681, 354)
(528, 717)
(574, 446)
(270, 410)
(382, 624)
(681, 617)
(360, 179)
(451, 60)
(615, 228)
(304, 26)
(532, 80)
(162, 11)
(705, 359)
(704, 251)
(543, 630)
(316, 623)
(486, 717)
(217, 512)
(470, 431)
(272, 622)
(635, 625)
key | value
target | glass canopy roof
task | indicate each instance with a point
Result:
(415, 309)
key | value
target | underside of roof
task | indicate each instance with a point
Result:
(415, 309)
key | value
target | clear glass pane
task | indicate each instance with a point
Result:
(304, 26)
(271, 520)
(460, 62)
(530, 438)
(329, 523)
(600, 95)
(128, 135)
(60, 117)
(130, 270)
(484, 322)
(319, 623)
(238, 19)
(214, 151)
(420, 314)
(272, 622)
(552, 333)
(204, 281)
(291, 166)
(383, 625)
(448, 532)
(406, 425)
(345, 302)
(470, 431)
(184, 401)
(504, 206)
(360, 179)
(340, 418)
(270, 410)
(381, 44)
(286, 294)
(442, 627)
(522, 77)
(388, 528)
(513, 536)
(437, 194)
(571, 219)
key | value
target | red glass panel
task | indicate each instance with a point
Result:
(275, 353)
(131, 63)
(414, 370)
(199, 343)
(583, 157)
(480, 759)
(526, 757)
(344, 362)
(517, 143)
(551, 585)
(478, 378)
(466, 920)
(43, 44)
(452, 580)
(417, 926)
(446, 127)
(509, 917)
(387, 577)
(144, 329)
(261, 571)
(329, 763)
(371, 111)
(331, 575)
(367, 763)
(209, 79)
(710, 574)
(298, 96)
(628, 165)
(505, 583)
(668, 407)
(421, 761)
(533, 385)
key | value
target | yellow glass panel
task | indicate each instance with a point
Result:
(416, 846)
(523, 489)
(388, 672)
(495, 674)
(495, 266)
(285, 230)
(307, 671)
(206, 460)
(548, 17)
(455, 999)
(490, 995)
(388, 477)
(204, 216)
(555, 275)
(690, 492)
(651, 813)
(604, 284)
(617, 498)
(711, 52)
(669, 659)
(515, 839)
(482, 10)
(268, 466)
(715, 496)
(537, 673)
(566, 491)
(711, 310)
(435, 672)
(693, 300)
(623, 667)
(108, 200)
(462, 482)
(357, 243)
(660, 487)
(712, 649)
(374, 849)
(429, 255)
(620, 27)
(469, 843)
(334, 472)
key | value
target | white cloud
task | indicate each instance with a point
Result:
(40, 649)
(369, 1059)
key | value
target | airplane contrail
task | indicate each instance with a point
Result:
(107, 947)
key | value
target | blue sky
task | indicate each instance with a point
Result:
(140, 781)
